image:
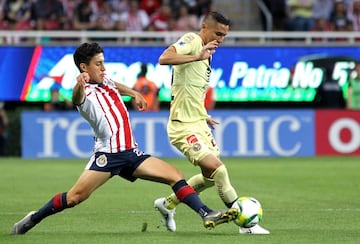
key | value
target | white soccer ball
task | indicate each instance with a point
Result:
(250, 212)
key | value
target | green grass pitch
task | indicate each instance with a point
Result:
(305, 200)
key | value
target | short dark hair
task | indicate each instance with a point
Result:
(85, 52)
(218, 17)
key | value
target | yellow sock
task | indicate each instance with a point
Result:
(171, 201)
(200, 183)
(225, 190)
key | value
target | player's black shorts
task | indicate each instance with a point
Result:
(122, 163)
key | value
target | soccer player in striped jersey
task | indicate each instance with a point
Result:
(189, 126)
(116, 153)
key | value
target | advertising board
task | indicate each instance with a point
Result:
(259, 133)
(239, 74)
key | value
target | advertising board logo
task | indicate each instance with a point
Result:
(263, 133)
(337, 132)
(260, 133)
(344, 135)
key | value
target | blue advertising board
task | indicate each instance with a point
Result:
(15, 62)
(241, 133)
(239, 74)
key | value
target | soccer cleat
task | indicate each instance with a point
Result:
(255, 230)
(219, 217)
(24, 225)
(167, 214)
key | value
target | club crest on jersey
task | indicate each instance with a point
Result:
(101, 161)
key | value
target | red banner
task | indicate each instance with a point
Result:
(337, 132)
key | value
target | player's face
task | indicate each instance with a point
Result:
(216, 31)
(96, 68)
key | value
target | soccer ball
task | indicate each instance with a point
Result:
(250, 212)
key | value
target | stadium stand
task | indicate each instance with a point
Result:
(22, 22)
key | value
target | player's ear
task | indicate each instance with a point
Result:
(203, 25)
(82, 67)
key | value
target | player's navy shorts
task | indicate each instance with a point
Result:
(122, 163)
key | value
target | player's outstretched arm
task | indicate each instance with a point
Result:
(171, 57)
(139, 100)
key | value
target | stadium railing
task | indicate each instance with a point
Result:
(125, 38)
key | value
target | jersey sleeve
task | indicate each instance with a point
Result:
(186, 43)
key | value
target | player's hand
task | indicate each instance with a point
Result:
(211, 122)
(208, 50)
(140, 102)
(82, 78)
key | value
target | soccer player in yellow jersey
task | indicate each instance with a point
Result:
(189, 126)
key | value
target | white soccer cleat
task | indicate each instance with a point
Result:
(167, 214)
(255, 230)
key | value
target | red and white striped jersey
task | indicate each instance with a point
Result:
(107, 114)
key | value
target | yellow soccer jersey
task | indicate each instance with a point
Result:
(190, 82)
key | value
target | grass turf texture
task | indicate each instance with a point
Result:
(305, 200)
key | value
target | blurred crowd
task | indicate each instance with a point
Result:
(124, 15)
(315, 15)
(168, 15)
